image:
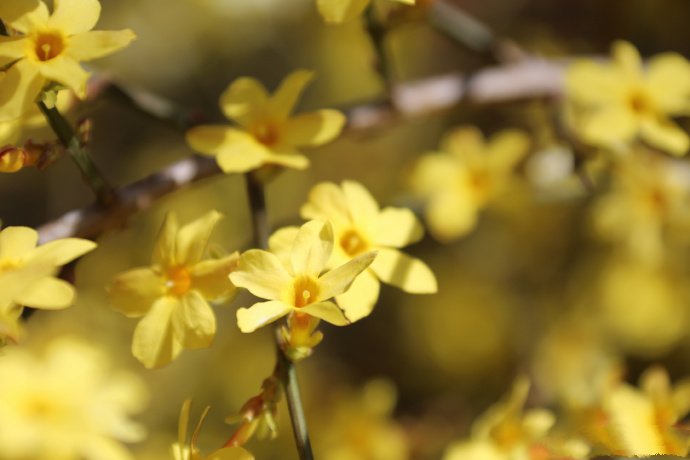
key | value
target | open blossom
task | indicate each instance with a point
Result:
(267, 133)
(466, 176)
(338, 11)
(360, 226)
(172, 294)
(615, 103)
(48, 47)
(66, 405)
(296, 283)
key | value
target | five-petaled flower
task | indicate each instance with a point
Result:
(267, 133)
(172, 294)
(44, 47)
(612, 104)
(295, 282)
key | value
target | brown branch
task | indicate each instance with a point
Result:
(523, 80)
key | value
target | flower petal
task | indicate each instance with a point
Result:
(408, 273)
(288, 158)
(283, 101)
(191, 240)
(451, 214)
(363, 207)
(506, 149)
(17, 242)
(327, 202)
(633, 417)
(164, 250)
(210, 277)
(95, 44)
(397, 227)
(133, 292)
(260, 314)
(312, 248)
(63, 69)
(75, 16)
(281, 241)
(314, 128)
(627, 58)
(592, 84)
(153, 343)
(327, 311)
(339, 11)
(47, 294)
(611, 127)
(261, 273)
(23, 14)
(11, 49)
(338, 280)
(668, 83)
(359, 300)
(236, 150)
(194, 323)
(665, 135)
(19, 88)
(244, 101)
(60, 252)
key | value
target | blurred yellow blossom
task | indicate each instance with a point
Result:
(338, 11)
(614, 103)
(360, 226)
(172, 294)
(465, 176)
(44, 47)
(295, 283)
(67, 405)
(182, 450)
(508, 432)
(267, 133)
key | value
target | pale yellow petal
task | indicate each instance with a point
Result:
(47, 294)
(23, 15)
(590, 83)
(65, 70)
(506, 149)
(338, 11)
(397, 227)
(408, 273)
(359, 300)
(210, 277)
(183, 424)
(19, 88)
(75, 16)
(15, 282)
(230, 453)
(465, 143)
(244, 101)
(17, 242)
(633, 422)
(191, 239)
(11, 49)
(153, 344)
(285, 98)
(314, 128)
(668, 83)
(312, 248)
(473, 450)
(338, 280)
(260, 314)
(627, 58)
(95, 44)
(164, 250)
(280, 243)
(236, 150)
(611, 127)
(327, 202)
(451, 214)
(665, 135)
(194, 323)
(60, 252)
(436, 171)
(327, 311)
(133, 292)
(288, 158)
(363, 208)
(261, 273)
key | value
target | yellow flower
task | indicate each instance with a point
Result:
(27, 274)
(181, 450)
(338, 11)
(46, 47)
(267, 134)
(360, 226)
(295, 283)
(467, 175)
(66, 405)
(172, 294)
(616, 102)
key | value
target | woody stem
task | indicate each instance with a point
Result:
(285, 368)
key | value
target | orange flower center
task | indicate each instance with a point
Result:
(353, 243)
(640, 103)
(266, 133)
(306, 291)
(48, 45)
(178, 281)
(8, 264)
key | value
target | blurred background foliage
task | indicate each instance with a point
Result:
(534, 289)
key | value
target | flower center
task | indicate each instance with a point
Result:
(640, 103)
(8, 264)
(353, 243)
(306, 291)
(266, 133)
(178, 281)
(48, 45)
